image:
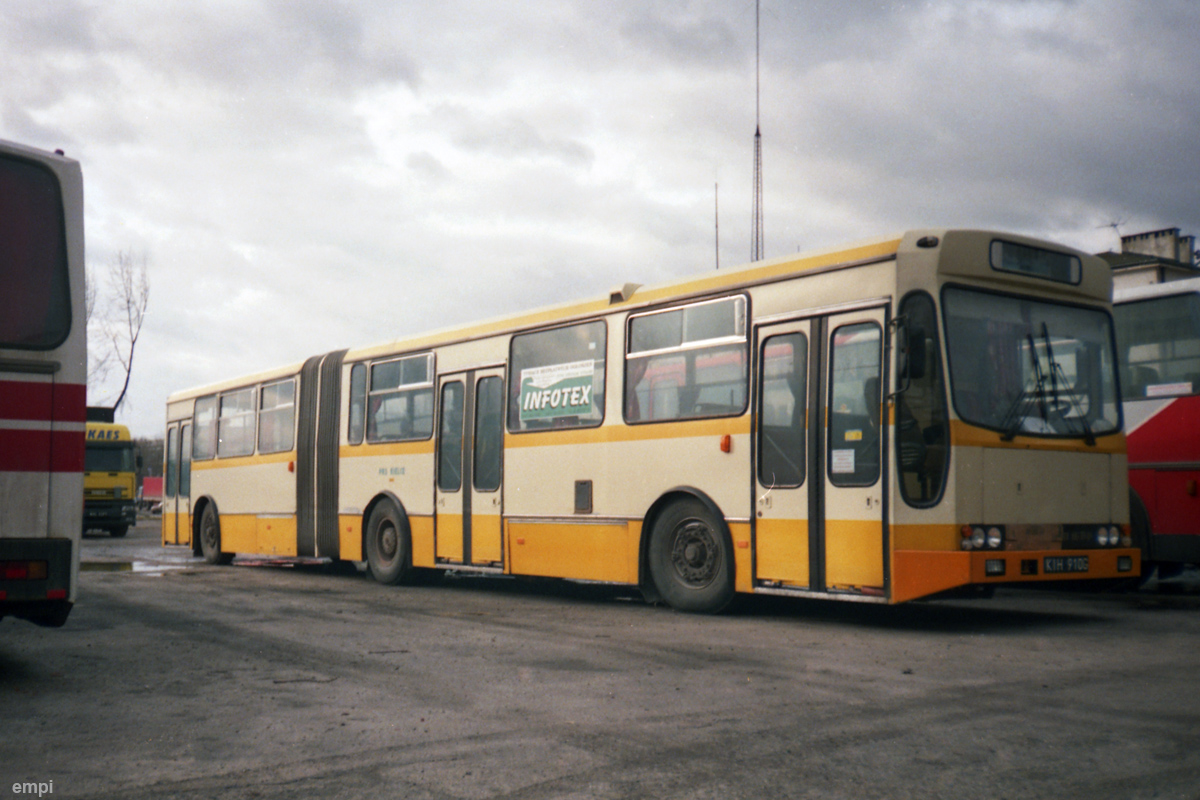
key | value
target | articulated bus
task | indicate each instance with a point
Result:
(899, 419)
(1158, 349)
(43, 374)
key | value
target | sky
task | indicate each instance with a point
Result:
(301, 176)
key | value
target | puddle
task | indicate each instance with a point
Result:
(144, 567)
(106, 566)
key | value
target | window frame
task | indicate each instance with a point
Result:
(512, 410)
(952, 377)
(935, 359)
(458, 385)
(238, 415)
(1163, 388)
(208, 428)
(356, 434)
(801, 400)
(406, 390)
(481, 438)
(831, 368)
(741, 303)
(57, 283)
(263, 412)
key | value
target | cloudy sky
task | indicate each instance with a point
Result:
(306, 175)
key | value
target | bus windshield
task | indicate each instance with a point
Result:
(1030, 367)
(35, 306)
(1159, 341)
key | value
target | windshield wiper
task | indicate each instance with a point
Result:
(1056, 371)
(1018, 411)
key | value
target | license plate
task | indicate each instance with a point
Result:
(1060, 564)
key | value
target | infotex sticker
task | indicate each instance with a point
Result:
(558, 390)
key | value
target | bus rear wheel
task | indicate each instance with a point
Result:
(388, 544)
(690, 559)
(210, 537)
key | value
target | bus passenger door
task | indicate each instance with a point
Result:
(781, 554)
(852, 532)
(176, 508)
(469, 451)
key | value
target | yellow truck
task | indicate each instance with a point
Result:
(110, 464)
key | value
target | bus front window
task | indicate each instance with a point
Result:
(1029, 367)
(1159, 342)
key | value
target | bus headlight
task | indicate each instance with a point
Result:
(978, 538)
(1102, 536)
(995, 538)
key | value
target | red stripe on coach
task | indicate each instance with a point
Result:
(41, 402)
(41, 451)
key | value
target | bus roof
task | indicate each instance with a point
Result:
(632, 296)
(627, 296)
(1156, 290)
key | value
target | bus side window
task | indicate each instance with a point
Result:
(783, 410)
(172, 482)
(853, 427)
(922, 435)
(687, 362)
(358, 403)
(204, 435)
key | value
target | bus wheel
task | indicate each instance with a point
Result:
(388, 544)
(118, 531)
(1139, 524)
(690, 560)
(210, 537)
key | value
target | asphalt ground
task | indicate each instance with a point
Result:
(173, 678)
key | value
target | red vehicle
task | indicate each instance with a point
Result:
(1158, 344)
(43, 374)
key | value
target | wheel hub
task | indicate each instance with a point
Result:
(695, 553)
(387, 542)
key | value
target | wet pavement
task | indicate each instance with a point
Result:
(178, 679)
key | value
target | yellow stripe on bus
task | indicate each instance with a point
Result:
(733, 426)
(963, 434)
(244, 461)
(417, 448)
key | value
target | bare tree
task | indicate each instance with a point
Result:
(99, 356)
(121, 323)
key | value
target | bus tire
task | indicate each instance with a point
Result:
(1139, 529)
(691, 561)
(389, 544)
(210, 537)
(118, 531)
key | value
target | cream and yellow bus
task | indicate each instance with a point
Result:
(904, 418)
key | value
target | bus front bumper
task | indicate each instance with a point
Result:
(921, 573)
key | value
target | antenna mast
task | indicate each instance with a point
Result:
(756, 245)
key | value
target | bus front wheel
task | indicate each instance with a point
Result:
(690, 559)
(210, 537)
(388, 544)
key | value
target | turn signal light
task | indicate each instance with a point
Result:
(23, 570)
